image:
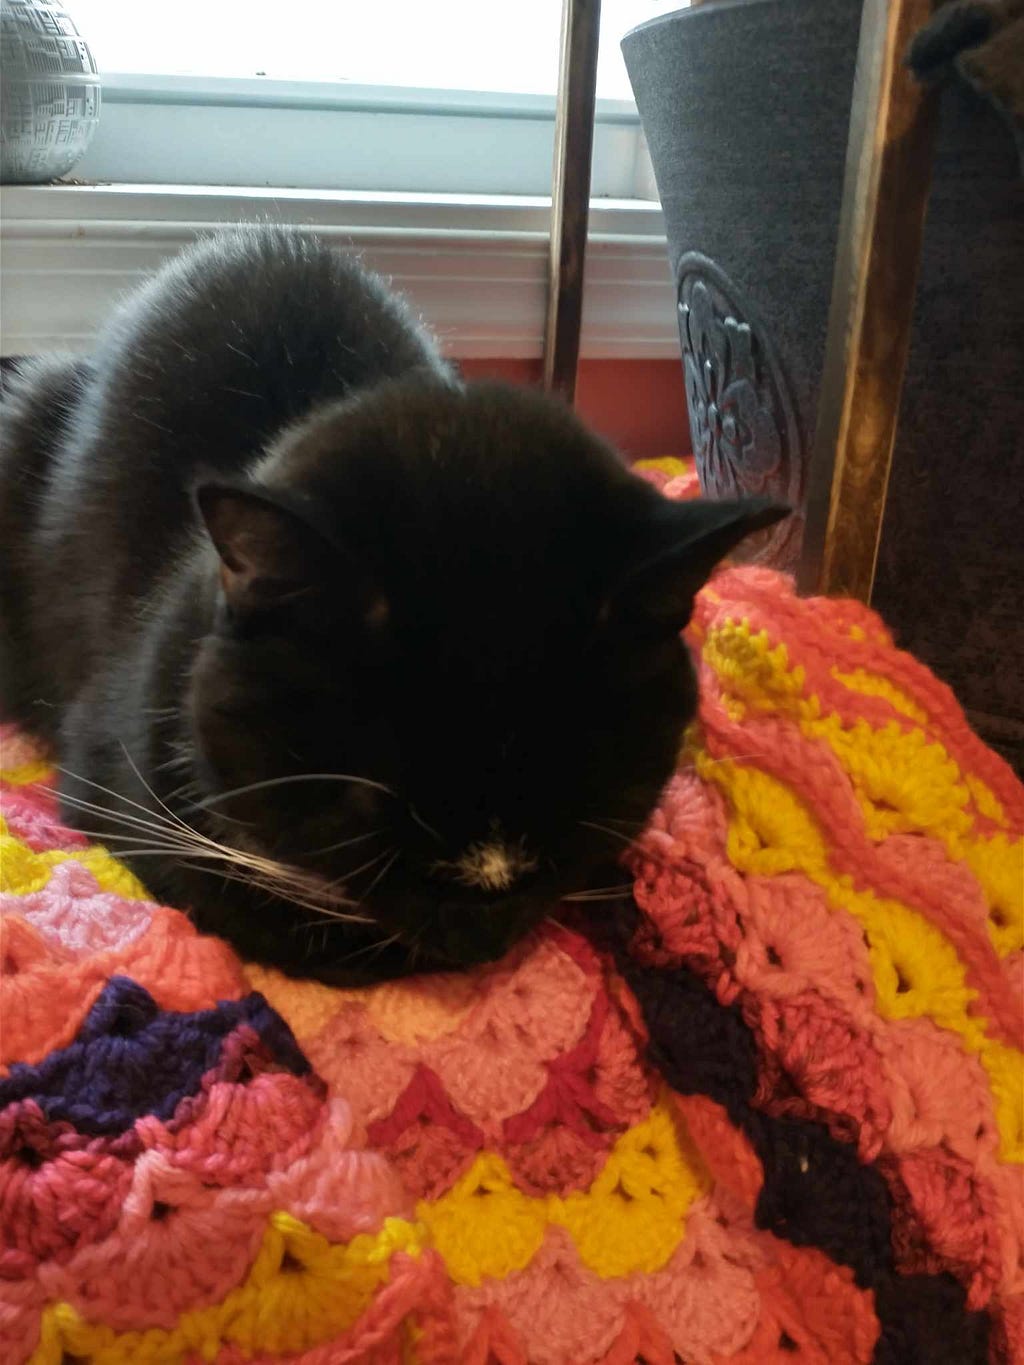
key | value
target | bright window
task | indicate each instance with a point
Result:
(446, 44)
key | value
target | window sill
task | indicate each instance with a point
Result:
(475, 266)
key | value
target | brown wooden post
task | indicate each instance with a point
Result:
(570, 192)
(885, 196)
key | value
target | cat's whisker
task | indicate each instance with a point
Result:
(380, 875)
(414, 950)
(181, 759)
(347, 877)
(177, 836)
(161, 803)
(611, 833)
(282, 876)
(593, 890)
(106, 838)
(346, 843)
(324, 912)
(595, 900)
(418, 819)
(170, 850)
(332, 908)
(606, 893)
(165, 839)
(166, 842)
(88, 782)
(115, 817)
(375, 948)
(211, 801)
(282, 880)
(246, 858)
(178, 842)
(221, 817)
(180, 835)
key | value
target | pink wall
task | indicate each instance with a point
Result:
(638, 405)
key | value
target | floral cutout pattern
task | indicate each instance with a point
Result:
(742, 421)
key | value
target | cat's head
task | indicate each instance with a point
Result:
(447, 676)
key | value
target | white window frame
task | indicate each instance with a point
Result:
(191, 130)
(444, 192)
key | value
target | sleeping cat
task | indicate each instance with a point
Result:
(363, 666)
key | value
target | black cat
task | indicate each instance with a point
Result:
(346, 657)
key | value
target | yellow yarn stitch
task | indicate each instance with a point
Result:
(26, 773)
(630, 1220)
(998, 865)
(986, 801)
(670, 465)
(902, 782)
(302, 1290)
(871, 685)
(23, 871)
(484, 1227)
(634, 1215)
(755, 671)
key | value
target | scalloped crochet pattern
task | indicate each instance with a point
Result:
(769, 1112)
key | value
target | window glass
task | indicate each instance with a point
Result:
(445, 44)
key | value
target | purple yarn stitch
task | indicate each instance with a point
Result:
(131, 1058)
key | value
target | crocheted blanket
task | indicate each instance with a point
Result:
(771, 1112)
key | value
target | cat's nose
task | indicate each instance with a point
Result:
(494, 865)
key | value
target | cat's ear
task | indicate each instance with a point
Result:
(268, 554)
(683, 543)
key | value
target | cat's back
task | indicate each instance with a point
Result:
(256, 326)
(201, 367)
(240, 336)
(228, 345)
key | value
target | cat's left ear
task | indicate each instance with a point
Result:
(269, 555)
(684, 542)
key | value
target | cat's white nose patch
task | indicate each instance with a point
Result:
(492, 865)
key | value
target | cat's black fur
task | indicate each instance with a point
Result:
(265, 533)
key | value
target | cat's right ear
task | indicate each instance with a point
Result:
(684, 542)
(269, 556)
